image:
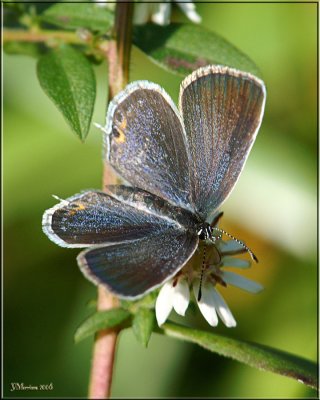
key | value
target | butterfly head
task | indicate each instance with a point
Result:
(205, 231)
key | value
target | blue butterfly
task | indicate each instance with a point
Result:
(179, 166)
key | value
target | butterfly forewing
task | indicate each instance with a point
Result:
(92, 218)
(222, 110)
(146, 144)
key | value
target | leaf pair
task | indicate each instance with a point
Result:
(142, 323)
(253, 354)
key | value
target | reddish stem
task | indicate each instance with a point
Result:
(118, 55)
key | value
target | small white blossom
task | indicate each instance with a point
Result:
(190, 11)
(164, 303)
(159, 13)
(181, 296)
(105, 3)
(175, 294)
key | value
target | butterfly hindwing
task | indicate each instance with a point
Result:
(132, 269)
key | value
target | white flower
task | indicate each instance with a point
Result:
(106, 3)
(159, 13)
(175, 294)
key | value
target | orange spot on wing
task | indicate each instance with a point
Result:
(120, 129)
(77, 207)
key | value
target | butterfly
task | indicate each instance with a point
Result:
(178, 167)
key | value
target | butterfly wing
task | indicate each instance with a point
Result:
(222, 109)
(134, 247)
(145, 142)
(132, 269)
(93, 218)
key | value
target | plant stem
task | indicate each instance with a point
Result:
(118, 56)
(20, 35)
(103, 352)
(53, 38)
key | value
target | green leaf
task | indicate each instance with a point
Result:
(101, 320)
(142, 325)
(147, 301)
(68, 79)
(79, 15)
(182, 48)
(253, 354)
(23, 48)
(12, 8)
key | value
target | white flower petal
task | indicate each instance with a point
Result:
(229, 246)
(235, 262)
(162, 15)
(222, 309)
(190, 10)
(101, 3)
(164, 302)
(181, 296)
(142, 13)
(241, 282)
(105, 3)
(206, 303)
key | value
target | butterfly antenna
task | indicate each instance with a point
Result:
(252, 255)
(202, 271)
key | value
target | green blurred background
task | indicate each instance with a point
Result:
(273, 208)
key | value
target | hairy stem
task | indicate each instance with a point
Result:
(118, 56)
(53, 38)
(103, 352)
(20, 35)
